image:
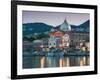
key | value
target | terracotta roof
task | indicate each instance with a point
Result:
(57, 33)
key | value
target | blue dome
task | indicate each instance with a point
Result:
(65, 26)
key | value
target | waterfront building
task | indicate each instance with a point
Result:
(27, 46)
(65, 36)
(77, 38)
(55, 39)
(37, 45)
(45, 42)
(65, 40)
(52, 42)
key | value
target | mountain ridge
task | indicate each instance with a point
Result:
(39, 27)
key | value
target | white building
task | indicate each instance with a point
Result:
(65, 40)
(52, 41)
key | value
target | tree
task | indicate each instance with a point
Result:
(42, 35)
(25, 38)
(28, 39)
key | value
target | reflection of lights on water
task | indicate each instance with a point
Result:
(42, 62)
(64, 62)
(83, 61)
(88, 60)
(48, 61)
(61, 63)
(68, 63)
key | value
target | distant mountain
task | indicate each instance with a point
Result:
(31, 28)
(84, 27)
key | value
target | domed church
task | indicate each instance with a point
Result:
(64, 37)
(65, 26)
(59, 38)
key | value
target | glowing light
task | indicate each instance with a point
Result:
(41, 46)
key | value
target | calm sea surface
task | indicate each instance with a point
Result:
(45, 62)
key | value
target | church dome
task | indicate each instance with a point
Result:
(65, 26)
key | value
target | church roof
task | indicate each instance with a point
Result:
(57, 34)
(65, 26)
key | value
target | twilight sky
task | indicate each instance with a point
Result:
(54, 18)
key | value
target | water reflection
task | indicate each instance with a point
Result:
(42, 62)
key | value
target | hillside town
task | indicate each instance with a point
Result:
(60, 41)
